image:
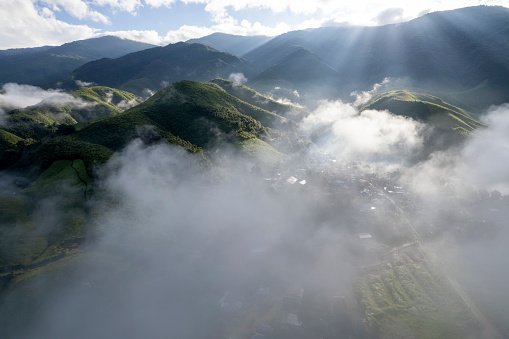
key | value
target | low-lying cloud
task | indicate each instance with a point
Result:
(21, 96)
(363, 97)
(168, 240)
(480, 162)
(484, 157)
(238, 78)
(83, 83)
(369, 135)
(169, 246)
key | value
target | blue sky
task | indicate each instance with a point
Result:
(30, 23)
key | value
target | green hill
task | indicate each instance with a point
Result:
(426, 108)
(192, 115)
(189, 114)
(93, 103)
(106, 102)
(23, 127)
(24, 240)
(254, 98)
(61, 164)
(8, 140)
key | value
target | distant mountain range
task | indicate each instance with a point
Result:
(155, 68)
(450, 51)
(460, 55)
(38, 66)
(234, 44)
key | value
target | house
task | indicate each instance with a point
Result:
(229, 303)
(265, 330)
(292, 298)
(364, 236)
(291, 180)
(289, 321)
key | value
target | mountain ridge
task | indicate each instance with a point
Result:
(158, 67)
(42, 65)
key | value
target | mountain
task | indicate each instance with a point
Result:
(451, 125)
(254, 98)
(13, 53)
(200, 118)
(189, 114)
(23, 127)
(302, 70)
(83, 104)
(201, 114)
(452, 51)
(234, 44)
(427, 108)
(155, 68)
(37, 66)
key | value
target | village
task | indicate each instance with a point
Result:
(377, 232)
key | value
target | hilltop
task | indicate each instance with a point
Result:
(426, 108)
(189, 114)
(22, 128)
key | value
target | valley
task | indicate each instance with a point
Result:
(333, 182)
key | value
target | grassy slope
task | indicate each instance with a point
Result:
(25, 240)
(195, 111)
(43, 123)
(412, 300)
(38, 121)
(106, 102)
(426, 108)
(205, 114)
(188, 114)
(254, 98)
(182, 108)
(8, 140)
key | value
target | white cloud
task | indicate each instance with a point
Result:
(390, 15)
(79, 9)
(83, 83)
(368, 135)
(484, 158)
(20, 96)
(31, 26)
(246, 28)
(159, 3)
(238, 78)
(481, 162)
(364, 12)
(362, 98)
(149, 36)
(124, 5)
(34, 23)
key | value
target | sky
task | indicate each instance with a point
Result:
(32, 23)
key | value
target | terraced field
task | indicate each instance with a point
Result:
(406, 296)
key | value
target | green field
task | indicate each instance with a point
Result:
(412, 298)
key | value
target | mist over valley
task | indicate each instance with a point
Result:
(337, 182)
